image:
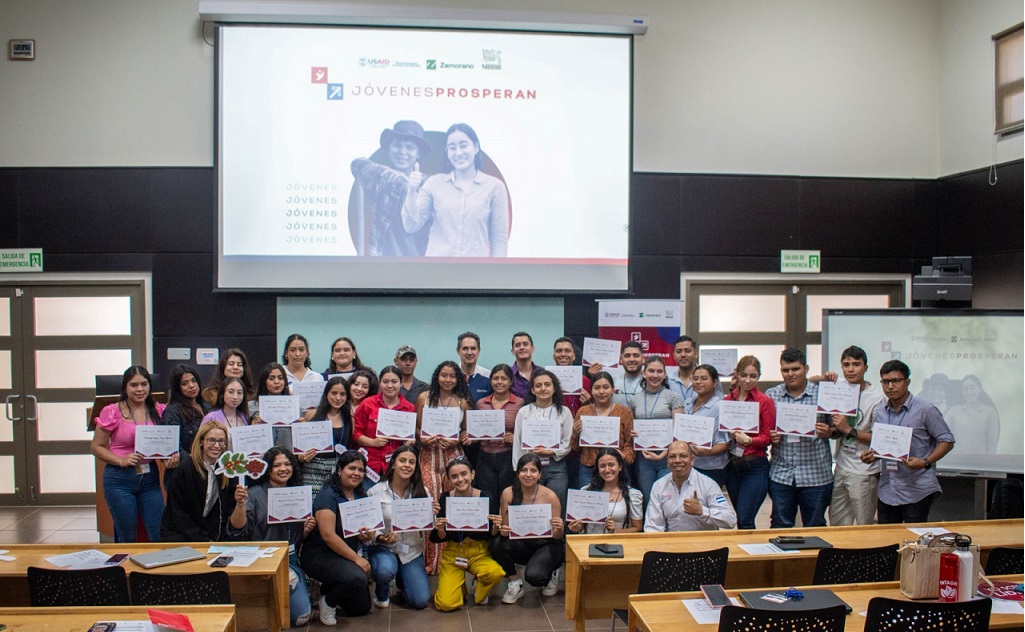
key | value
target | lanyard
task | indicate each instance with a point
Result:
(648, 413)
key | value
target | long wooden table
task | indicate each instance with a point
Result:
(666, 612)
(260, 591)
(594, 586)
(79, 619)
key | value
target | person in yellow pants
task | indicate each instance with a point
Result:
(465, 551)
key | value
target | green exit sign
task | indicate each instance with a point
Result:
(800, 261)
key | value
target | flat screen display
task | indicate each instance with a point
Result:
(405, 159)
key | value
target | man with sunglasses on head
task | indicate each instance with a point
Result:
(908, 487)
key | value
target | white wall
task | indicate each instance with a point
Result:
(966, 86)
(805, 87)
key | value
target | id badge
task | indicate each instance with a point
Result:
(401, 548)
(793, 439)
(373, 476)
(545, 461)
(891, 466)
(738, 450)
(850, 449)
(142, 468)
(462, 562)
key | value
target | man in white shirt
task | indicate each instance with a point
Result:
(687, 500)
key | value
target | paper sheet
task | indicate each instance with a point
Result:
(762, 549)
(704, 613)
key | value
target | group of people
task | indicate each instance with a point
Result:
(680, 487)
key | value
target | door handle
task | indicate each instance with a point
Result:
(7, 407)
(35, 408)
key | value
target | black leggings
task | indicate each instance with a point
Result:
(343, 583)
(542, 557)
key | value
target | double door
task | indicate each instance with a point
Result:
(54, 339)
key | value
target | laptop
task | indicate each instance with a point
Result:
(165, 557)
(813, 600)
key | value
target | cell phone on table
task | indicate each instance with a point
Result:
(101, 626)
(715, 595)
(789, 539)
(116, 559)
(607, 549)
(221, 561)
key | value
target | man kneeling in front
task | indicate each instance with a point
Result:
(687, 500)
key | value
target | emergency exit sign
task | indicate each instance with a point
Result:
(800, 261)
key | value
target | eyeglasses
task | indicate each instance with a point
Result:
(893, 382)
(217, 441)
(457, 460)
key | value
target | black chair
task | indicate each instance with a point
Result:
(104, 586)
(831, 619)
(1005, 561)
(897, 615)
(855, 566)
(678, 572)
(152, 589)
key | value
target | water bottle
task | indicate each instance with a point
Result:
(949, 563)
(966, 568)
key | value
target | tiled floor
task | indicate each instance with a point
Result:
(30, 525)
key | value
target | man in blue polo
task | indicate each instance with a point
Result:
(478, 379)
(907, 488)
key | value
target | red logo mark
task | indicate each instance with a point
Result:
(318, 74)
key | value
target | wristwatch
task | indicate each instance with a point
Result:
(853, 433)
(928, 463)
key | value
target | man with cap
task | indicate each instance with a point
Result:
(409, 387)
(375, 207)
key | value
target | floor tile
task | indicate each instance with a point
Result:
(73, 536)
(79, 524)
(43, 522)
(29, 536)
(528, 614)
(429, 619)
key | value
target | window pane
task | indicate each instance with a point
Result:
(6, 427)
(83, 316)
(67, 473)
(768, 355)
(814, 353)
(815, 303)
(5, 316)
(78, 368)
(63, 421)
(6, 372)
(6, 474)
(742, 313)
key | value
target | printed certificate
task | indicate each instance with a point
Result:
(891, 442)
(724, 360)
(587, 507)
(308, 393)
(653, 434)
(412, 514)
(571, 378)
(604, 352)
(465, 513)
(442, 422)
(530, 521)
(599, 432)
(396, 424)
(540, 433)
(314, 435)
(695, 429)
(738, 416)
(289, 504)
(279, 409)
(839, 397)
(252, 440)
(485, 424)
(795, 419)
(363, 513)
(157, 442)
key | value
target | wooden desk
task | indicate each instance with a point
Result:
(203, 618)
(666, 612)
(260, 591)
(594, 586)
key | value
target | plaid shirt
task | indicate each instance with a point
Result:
(805, 462)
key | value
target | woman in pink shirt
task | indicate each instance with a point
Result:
(364, 424)
(131, 484)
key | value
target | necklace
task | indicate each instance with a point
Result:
(605, 413)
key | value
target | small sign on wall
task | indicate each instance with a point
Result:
(800, 261)
(21, 260)
(21, 49)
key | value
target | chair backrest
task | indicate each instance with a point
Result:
(104, 586)
(831, 619)
(898, 614)
(679, 572)
(154, 589)
(1005, 561)
(854, 566)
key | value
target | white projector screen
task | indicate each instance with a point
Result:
(326, 181)
(966, 362)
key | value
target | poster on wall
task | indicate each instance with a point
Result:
(654, 324)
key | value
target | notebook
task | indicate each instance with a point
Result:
(813, 599)
(166, 557)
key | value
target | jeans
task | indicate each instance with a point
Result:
(915, 512)
(648, 472)
(786, 499)
(410, 577)
(584, 473)
(747, 483)
(299, 607)
(129, 496)
(555, 478)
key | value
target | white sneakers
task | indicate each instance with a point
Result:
(327, 613)
(552, 587)
(514, 592)
(382, 604)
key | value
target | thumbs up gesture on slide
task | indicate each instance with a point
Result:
(692, 506)
(415, 178)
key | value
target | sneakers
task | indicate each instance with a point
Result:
(382, 604)
(514, 592)
(484, 601)
(552, 587)
(327, 613)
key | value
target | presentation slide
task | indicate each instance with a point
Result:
(969, 363)
(402, 159)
